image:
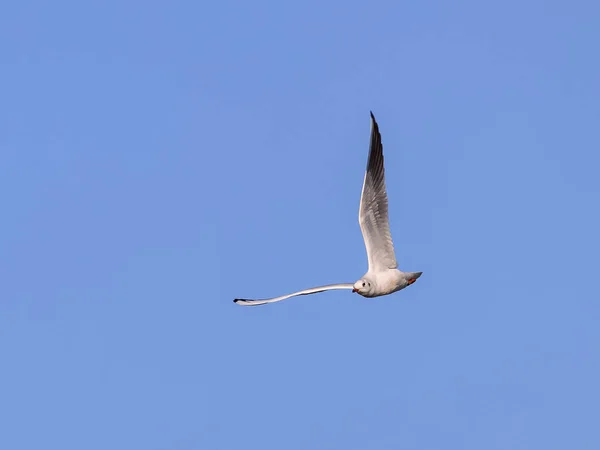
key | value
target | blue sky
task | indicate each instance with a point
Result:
(159, 159)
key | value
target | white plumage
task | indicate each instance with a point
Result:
(383, 276)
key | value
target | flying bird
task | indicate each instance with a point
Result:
(383, 276)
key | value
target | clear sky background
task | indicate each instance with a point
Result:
(159, 159)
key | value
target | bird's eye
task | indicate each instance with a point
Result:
(369, 284)
(363, 284)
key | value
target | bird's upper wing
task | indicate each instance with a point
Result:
(247, 302)
(373, 211)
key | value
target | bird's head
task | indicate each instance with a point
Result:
(363, 287)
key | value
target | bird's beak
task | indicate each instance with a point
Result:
(411, 281)
(354, 290)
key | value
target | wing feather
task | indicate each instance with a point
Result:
(373, 212)
(315, 290)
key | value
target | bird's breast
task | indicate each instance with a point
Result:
(388, 282)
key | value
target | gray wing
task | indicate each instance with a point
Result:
(329, 287)
(373, 212)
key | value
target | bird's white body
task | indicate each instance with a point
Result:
(385, 282)
(383, 276)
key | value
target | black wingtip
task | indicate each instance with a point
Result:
(235, 300)
(373, 121)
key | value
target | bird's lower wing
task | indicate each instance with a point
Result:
(315, 290)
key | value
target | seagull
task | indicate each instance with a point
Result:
(383, 276)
